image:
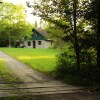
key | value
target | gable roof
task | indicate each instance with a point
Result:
(39, 34)
(42, 32)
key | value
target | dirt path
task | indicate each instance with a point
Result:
(38, 84)
(25, 73)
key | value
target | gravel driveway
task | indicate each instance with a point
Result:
(40, 85)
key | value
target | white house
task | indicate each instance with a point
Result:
(38, 40)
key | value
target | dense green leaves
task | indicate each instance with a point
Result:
(71, 24)
(13, 25)
(77, 24)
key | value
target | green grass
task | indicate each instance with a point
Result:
(5, 74)
(43, 60)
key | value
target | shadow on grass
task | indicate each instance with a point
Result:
(29, 97)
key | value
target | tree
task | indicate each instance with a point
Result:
(56, 34)
(93, 15)
(66, 14)
(80, 22)
(77, 49)
(69, 16)
(97, 5)
(13, 23)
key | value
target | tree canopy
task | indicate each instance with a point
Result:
(79, 22)
(13, 23)
(70, 16)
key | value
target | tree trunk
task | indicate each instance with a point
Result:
(98, 33)
(9, 40)
(77, 51)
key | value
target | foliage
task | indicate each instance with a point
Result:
(67, 71)
(79, 21)
(65, 62)
(13, 25)
(56, 34)
(93, 15)
(76, 22)
(69, 23)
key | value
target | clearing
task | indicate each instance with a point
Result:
(43, 60)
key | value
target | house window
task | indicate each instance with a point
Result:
(39, 42)
(29, 43)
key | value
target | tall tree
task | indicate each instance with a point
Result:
(93, 15)
(97, 3)
(13, 21)
(64, 13)
(69, 16)
(77, 49)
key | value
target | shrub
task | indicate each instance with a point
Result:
(88, 74)
(65, 64)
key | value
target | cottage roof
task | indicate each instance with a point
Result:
(39, 34)
(42, 32)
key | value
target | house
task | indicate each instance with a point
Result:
(39, 39)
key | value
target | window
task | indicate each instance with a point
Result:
(29, 43)
(39, 42)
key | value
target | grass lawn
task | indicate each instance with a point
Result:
(5, 74)
(43, 60)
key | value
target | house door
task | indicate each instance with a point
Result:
(34, 45)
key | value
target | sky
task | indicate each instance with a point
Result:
(30, 18)
(16, 1)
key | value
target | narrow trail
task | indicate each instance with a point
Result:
(39, 85)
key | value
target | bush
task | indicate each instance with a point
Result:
(88, 74)
(65, 64)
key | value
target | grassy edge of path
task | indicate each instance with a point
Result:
(6, 75)
(43, 60)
